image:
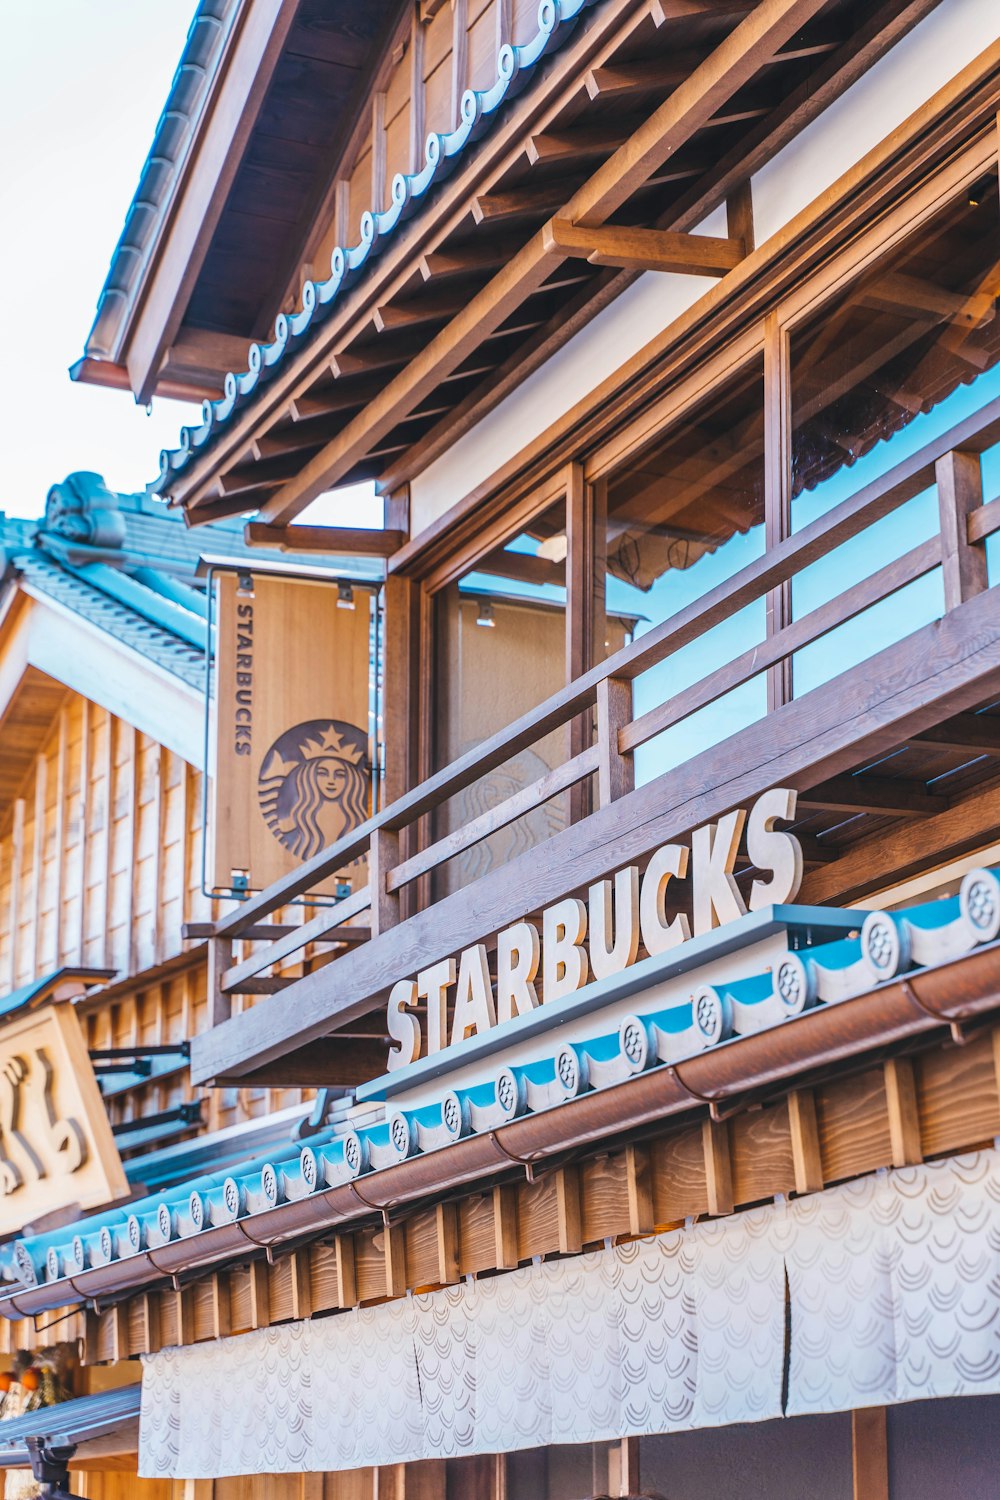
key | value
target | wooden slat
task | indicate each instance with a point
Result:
(802, 632)
(328, 919)
(550, 785)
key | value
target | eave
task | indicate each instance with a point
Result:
(428, 337)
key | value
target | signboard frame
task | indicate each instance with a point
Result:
(370, 589)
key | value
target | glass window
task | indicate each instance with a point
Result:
(682, 518)
(911, 348)
(500, 650)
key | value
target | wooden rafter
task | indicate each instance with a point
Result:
(759, 37)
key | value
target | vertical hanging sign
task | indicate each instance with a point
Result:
(290, 758)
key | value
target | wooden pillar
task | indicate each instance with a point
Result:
(579, 617)
(870, 1454)
(220, 958)
(384, 857)
(379, 184)
(777, 491)
(960, 491)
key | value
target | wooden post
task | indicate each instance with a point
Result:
(347, 1281)
(505, 1228)
(806, 1159)
(623, 1467)
(718, 1167)
(870, 1454)
(960, 491)
(446, 1223)
(220, 958)
(639, 1181)
(777, 491)
(384, 857)
(568, 1210)
(394, 1251)
(904, 1117)
(579, 617)
(616, 774)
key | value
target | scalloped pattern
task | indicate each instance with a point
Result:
(932, 933)
(515, 68)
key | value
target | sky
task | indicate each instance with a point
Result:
(84, 82)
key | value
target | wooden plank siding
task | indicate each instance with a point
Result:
(100, 866)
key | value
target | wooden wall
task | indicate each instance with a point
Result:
(100, 853)
(435, 56)
(100, 866)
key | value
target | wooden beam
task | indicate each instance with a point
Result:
(974, 734)
(873, 794)
(447, 1237)
(349, 541)
(894, 854)
(569, 1211)
(505, 1228)
(641, 75)
(751, 44)
(644, 249)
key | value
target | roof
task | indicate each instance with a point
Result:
(203, 1221)
(54, 985)
(207, 35)
(127, 565)
(70, 1425)
(516, 66)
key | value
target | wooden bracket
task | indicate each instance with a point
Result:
(904, 1115)
(806, 1158)
(639, 1179)
(644, 249)
(505, 1227)
(446, 1224)
(718, 1167)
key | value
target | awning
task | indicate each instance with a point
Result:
(89, 1427)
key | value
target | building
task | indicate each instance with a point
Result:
(656, 997)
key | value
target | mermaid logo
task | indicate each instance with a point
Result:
(313, 785)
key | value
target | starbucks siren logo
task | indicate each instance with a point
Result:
(313, 785)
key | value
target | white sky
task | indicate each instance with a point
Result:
(84, 82)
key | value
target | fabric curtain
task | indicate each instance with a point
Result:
(884, 1290)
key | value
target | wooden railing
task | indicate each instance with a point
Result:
(952, 463)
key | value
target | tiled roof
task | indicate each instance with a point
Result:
(175, 130)
(711, 1016)
(126, 564)
(516, 67)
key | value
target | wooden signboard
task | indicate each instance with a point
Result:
(291, 770)
(56, 1145)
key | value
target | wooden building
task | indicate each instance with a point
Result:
(656, 990)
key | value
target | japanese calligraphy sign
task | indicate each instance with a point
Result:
(56, 1145)
(290, 763)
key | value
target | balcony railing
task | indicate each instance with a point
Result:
(952, 463)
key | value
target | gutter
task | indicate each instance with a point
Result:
(953, 994)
